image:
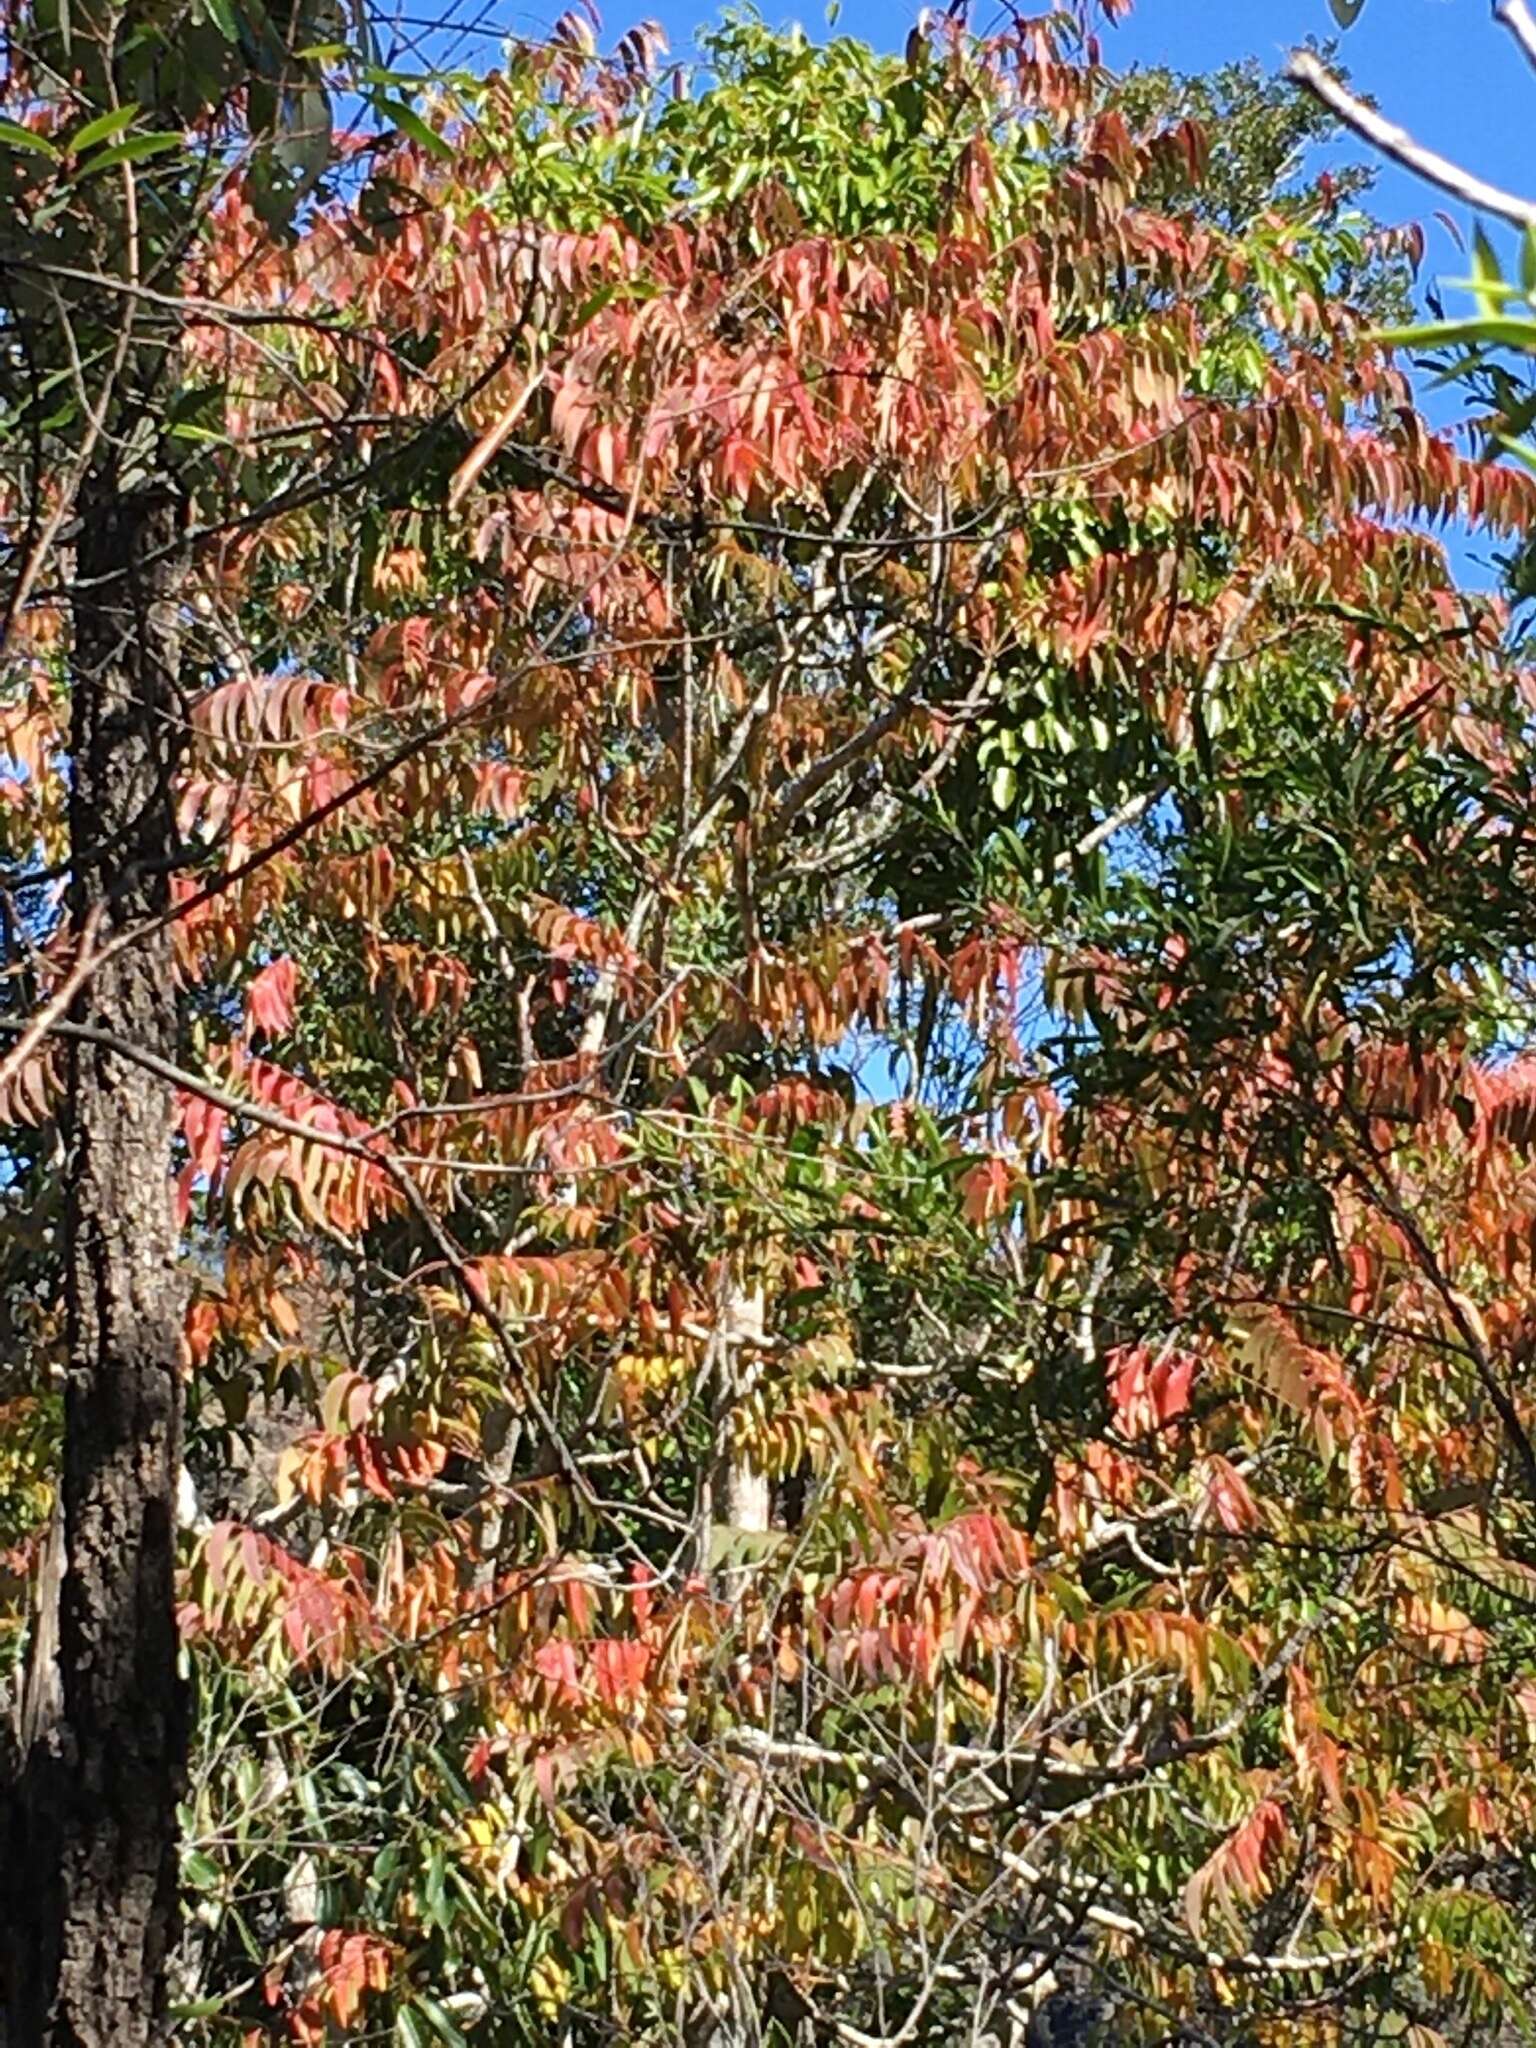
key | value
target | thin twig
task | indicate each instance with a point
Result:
(45, 1020)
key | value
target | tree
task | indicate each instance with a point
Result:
(103, 196)
(856, 1351)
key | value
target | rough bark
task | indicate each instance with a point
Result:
(92, 1850)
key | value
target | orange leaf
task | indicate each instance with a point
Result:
(270, 998)
(1238, 1872)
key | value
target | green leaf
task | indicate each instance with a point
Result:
(410, 123)
(435, 1890)
(1487, 281)
(1528, 263)
(409, 2029)
(451, 1777)
(23, 138)
(133, 150)
(222, 15)
(1506, 330)
(442, 2024)
(110, 123)
(1346, 12)
(729, 1544)
(1523, 452)
(201, 1872)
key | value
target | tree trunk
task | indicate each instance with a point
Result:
(736, 1495)
(92, 1849)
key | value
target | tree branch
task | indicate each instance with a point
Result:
(1516, 16)
(1399, 145)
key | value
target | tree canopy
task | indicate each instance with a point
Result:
(838, 950)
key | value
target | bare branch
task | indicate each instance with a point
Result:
(1399, 145)
(1516, 16)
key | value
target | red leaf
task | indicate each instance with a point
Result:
(269, 999)
(1148, 1391)
(1238, 1872)
(555, 1662)
(1227, 1499)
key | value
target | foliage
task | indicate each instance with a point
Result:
(855, 1133)
(1481, 351)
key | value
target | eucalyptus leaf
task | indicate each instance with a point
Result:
(18, 137)
(110, 123)
(1501, 331)
(443, 2025)
(304, 135)
(410, 123)
(1487, 283)
(132, 150)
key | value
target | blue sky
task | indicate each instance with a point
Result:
(1442, 68)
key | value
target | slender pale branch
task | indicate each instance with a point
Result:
(1400, 146)
(1516, 16)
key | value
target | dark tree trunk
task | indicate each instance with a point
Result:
(92, 1849)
